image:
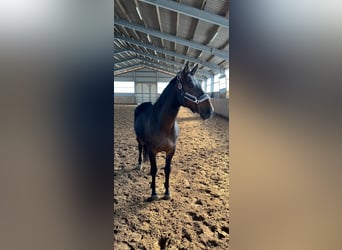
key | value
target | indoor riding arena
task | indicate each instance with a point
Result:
(153, 41)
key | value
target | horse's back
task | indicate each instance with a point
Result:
(142, 108)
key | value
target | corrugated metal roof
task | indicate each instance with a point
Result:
(181, 25)
(219, 7)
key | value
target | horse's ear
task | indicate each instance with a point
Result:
(186, 68)
(193, 71)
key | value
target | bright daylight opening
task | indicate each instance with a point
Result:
(123, 87)
(161, 86)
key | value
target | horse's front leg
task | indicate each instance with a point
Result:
(167, 171)
(152, 157)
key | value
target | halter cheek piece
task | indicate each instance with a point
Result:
(191, 97)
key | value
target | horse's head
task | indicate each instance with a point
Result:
(191, 94)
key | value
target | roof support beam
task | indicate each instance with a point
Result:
(125, 60)
(159, 66)
(119, 51)
(191, 59)
(190, 11)
(156, 66)
(177, 25)
(160, 24)
(126, 16)
(142, 60)
(172, 38)
(133, 67)
(141, 65)
(165, 71)
(204, 2)
(206, 73)
(165, 65)
(151, 65)
(133, 62)
(174, 70)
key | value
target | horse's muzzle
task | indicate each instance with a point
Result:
(207, 114)
(206, 110)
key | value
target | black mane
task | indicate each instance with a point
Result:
(164, 95)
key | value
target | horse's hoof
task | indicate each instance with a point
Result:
(153, 198)
(167, 197)
(138, 167)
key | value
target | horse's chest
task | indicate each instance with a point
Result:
(164, 144)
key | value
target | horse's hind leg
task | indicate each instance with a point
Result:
(153, 162)
(140, 147)
(167, 171)
(145, 154)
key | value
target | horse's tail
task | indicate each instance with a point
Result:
(145, 154)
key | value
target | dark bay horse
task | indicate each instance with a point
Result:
(156, 127)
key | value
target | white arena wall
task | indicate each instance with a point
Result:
(221, 106)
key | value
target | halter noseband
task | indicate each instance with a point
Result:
(191, 97)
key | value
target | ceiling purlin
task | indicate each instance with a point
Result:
(125, 60)
(196, 24)
(182, 41)
(218, 29)
(160, 26)
(144, 61)
(177, 25)
(191, 59)
(126, 17)
(128, 68)
(168, 61)
(140, 49)
(190, 11)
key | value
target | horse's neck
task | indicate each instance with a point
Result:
(168, 112)
(167, 118)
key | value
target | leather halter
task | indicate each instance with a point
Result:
(190, 97)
